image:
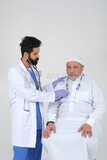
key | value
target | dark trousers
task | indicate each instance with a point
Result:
(24, 153)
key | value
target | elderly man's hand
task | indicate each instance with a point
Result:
(86, 130)
(50, 127)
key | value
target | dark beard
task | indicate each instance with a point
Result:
(33, 62)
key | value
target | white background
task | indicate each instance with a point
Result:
(66, 28)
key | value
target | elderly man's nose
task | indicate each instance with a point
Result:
(72, 70)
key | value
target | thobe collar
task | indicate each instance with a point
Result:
(76, 84)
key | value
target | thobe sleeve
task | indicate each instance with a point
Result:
(98, 104)
(52, 112)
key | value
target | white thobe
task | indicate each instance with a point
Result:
(85, 104)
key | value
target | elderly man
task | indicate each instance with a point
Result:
(73, 126)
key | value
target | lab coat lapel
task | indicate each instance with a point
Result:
(25, 71)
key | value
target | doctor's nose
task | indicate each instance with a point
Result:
(37, 56)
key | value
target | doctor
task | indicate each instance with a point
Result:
(26, 102)
(73, 124)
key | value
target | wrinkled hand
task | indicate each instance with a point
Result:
(62, 93)
(49, 128)
(86, 130)
(54, 83)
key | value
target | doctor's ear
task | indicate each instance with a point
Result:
(26, 55)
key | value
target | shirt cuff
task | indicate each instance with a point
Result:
(91, 122)
(51, 117)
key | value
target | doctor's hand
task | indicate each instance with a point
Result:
(54, 83)
(62, 93)
(86, 130)
(50, 127)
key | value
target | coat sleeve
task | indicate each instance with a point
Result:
(97, 103)
(48, 87)
(19, 84)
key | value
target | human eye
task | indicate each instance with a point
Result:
(75, 67)
(68, 67)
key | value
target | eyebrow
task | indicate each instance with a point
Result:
(73, 66)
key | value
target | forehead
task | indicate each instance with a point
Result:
(73, 63)
(36, 50)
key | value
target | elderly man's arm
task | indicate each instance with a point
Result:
(51, 119)
(98, 105)
(51, 86)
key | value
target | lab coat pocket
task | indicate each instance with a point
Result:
(12, 108)
(26, 106)
(82, 96)
(24, 118)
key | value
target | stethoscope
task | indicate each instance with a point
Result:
(79, 84)
(39, 81)
(38, 74)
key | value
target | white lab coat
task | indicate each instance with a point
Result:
(23, 95)
(85, 105)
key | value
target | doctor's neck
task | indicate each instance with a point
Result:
(25, 62)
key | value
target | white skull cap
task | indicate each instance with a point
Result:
(76, 59)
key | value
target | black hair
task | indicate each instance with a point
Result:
(28, 43)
